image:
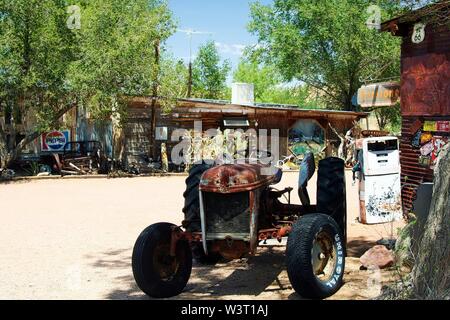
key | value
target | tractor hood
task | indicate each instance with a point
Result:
(232, 178)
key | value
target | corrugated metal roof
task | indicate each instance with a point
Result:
(272, 106)
(257, 104)
(203, 103)
(416, 15)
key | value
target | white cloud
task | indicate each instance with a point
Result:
(233, 49)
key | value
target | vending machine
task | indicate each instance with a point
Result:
(380, 185)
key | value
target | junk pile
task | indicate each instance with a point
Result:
(82, 158)
(6, 174)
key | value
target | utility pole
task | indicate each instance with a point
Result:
(190, 33)
(155, 88)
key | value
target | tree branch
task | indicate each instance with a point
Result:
(14, 153)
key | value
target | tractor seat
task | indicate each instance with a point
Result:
(307, 169)
(278, 176)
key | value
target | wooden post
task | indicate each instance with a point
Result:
(154, 151)
(190, 81)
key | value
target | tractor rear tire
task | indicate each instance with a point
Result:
(315, 256)
(191, 208)
(157, 273)
(331, 191)
(192, 213)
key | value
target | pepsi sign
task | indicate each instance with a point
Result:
(54, 141)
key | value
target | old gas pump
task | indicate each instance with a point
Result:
(378, 171)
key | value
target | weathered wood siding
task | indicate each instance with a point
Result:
(137, 129)
(90, 130)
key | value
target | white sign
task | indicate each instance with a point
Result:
(374, 20)
(161, 133)
(418, 33)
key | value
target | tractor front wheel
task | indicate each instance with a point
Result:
(156, 272)
(315, 256)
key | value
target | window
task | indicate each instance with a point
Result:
(386, 145)
(236, 123)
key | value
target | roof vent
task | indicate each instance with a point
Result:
(243, 94)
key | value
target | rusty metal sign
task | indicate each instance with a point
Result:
(384, 94)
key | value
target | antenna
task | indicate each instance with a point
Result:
(190, 33)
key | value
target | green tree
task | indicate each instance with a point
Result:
(50, 63)
(173, 78)
(119, 51)
(209, 75)
(326, 44)
(120, 48)
(35, 49)
(389, 118)
(269, 86)
(263, 77)
(299, 94)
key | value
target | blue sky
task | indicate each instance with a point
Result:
(226, 19)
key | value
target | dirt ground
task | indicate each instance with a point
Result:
(72, 239)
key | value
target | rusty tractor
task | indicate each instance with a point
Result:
(232, 209)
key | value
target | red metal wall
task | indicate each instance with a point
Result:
(425, 89)
(425, 95)
(412, 173)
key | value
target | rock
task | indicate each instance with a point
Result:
(378, 256)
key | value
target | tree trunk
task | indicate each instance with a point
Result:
(341, 149)
(431, 272)
(4, 156)
(189, 93)
(8, 155)
(381, 119)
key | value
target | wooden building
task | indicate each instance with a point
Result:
(135, 141)
(425, 91)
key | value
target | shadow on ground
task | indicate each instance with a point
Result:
(356, 247)
(245, 277)
(263, 276)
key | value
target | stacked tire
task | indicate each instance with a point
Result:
(331, 195)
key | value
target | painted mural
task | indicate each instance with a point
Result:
(306, 135)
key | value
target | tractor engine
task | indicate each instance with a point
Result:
(230, 206)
